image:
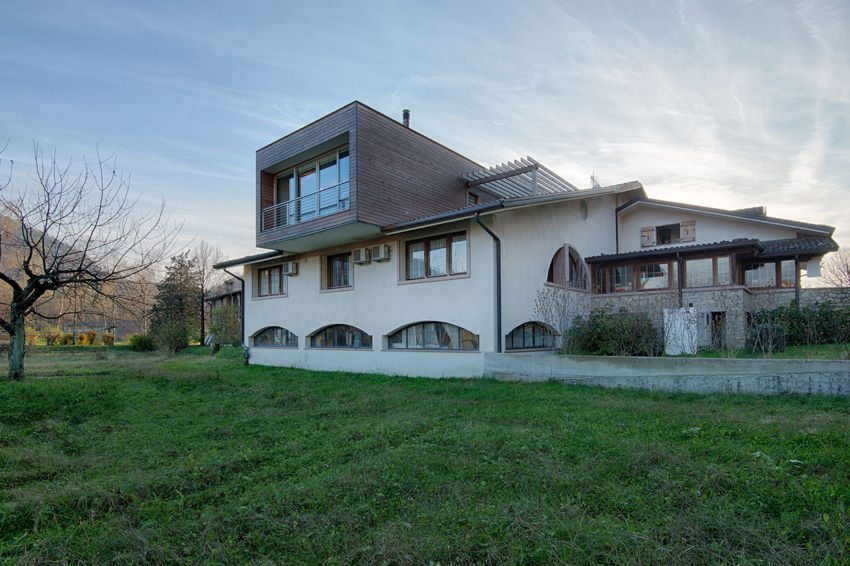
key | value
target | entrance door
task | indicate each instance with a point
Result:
(718, 330)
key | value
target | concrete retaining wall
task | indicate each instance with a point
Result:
(689, 375)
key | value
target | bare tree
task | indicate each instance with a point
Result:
(206, 256)
(836, 269)
(76, 229)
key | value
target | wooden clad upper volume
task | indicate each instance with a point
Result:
(396, 174)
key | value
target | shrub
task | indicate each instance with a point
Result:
(91, 337)
(766, 338)
(225, 325)
(171, 336)
(142, 343)
(604, 333)
(52, 337)
(818, 324)
(107, 339)
(67, 339)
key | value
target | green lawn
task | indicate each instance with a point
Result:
(139, 458)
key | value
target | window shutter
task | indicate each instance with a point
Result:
(688, 229)
(647, 236)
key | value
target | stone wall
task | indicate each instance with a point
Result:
(691, 375)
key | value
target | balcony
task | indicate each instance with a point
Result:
(305, 208)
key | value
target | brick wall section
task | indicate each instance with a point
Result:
(402, 174)
(298, 142)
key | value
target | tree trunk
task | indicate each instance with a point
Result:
(17, 348)
(203, 334)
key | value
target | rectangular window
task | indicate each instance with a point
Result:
(315, 188)
(760, 275)
(724, 271)
(270, 282)
(667, 234)
(654, 276)
(788, 270)
(339, 271)
(699, 273)
(622, 279)
(437, 257)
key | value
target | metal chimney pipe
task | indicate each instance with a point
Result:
(405, 117)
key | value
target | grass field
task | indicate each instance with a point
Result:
(116, 457)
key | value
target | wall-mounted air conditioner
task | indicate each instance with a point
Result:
(360, 255)
(381, 253)
(289, 268)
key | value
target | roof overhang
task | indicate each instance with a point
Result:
(248, 259)
(746, 215)
(509, 204)
(741, 245)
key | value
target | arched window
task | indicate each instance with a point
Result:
(275, 337)
(567, 269)
(433, 336)
(530, 335)
(341, 336)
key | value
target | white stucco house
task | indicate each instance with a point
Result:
(388, 252)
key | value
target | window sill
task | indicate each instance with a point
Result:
(268, 297)
(434, 279)
(432, 350)
(337, 289)
(339, 349)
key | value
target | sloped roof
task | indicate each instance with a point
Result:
(754, 214)
(801, 246)
(668, 251)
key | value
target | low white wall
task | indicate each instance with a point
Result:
(409, 363)
(691, 375)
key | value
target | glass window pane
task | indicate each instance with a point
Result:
(653, 276)
(263, 277)
(622, 278)
(328, 174)
(789, 273)
(527, 335)
(397, 340)
(343, 166)
(306, 188)
(723, 271)
(758, 275)
(459, 253)
(558, 268)
(699, 273)
(285, 188)
(468, 340)
(274, 281)
(437, 257)
(415, 260)
(674, 279)
(430, 331)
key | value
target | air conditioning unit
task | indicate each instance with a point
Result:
(381, 253)
(289, 268)
(360, 255)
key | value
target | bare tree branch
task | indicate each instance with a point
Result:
(76, 229)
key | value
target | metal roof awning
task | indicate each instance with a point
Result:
(519, 178)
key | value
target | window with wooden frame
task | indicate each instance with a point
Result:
(275, 337)
(661, 275)
(529, 336)
(708, 272)
(567, 269)
(341, 336)
(338, 271)
(666, 234)
(770, 274)
(270, 282)
(437, 256)
(433, 336)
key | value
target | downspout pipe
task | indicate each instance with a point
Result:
(497, 282)
(241, 314)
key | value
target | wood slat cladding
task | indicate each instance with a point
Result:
(298, 146)
(266, 189)
(402, 174)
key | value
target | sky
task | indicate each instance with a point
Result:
(728, 104)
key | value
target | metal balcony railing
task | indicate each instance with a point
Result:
(327, 201)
